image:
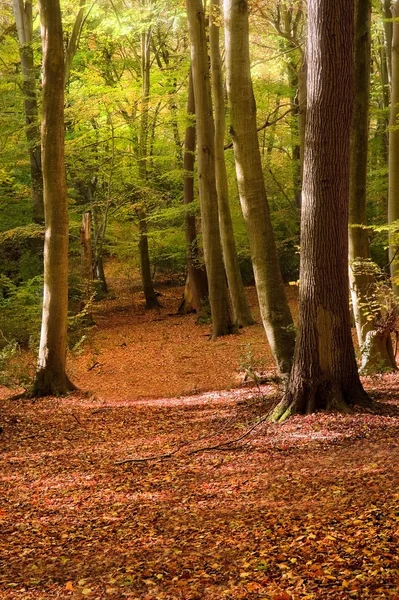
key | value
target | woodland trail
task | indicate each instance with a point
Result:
(304, 510)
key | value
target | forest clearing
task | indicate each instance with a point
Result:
(306, 509)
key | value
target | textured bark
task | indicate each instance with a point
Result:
(23, 18)
(218, 296)
(393, 189)
(377, 353)
(361, 282)
(196, 289)
(273, 303)
(241, 312)
(151, 300)
(324, 374)
(51, 378)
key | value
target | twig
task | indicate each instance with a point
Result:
(222, 446)
(76, 418)
(155, 457)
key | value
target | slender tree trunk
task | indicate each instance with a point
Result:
(273, 303)
(151, 300)
(360, 281)
(86, 257)
(388, 33)
(196, 289)
(393, 189)
(377, 353)
(241, 312)
(218, 296)
(23, 18)
(51, 378)
(324, 373)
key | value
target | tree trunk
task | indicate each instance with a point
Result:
(151, 300)
(361, 275)
(218, 296)
(241, 312)
(23, 18)
(388, 33)
(324, 374)
(51, 378)
(86, 256)
(273, 303)
(196, 289)
(393, 189)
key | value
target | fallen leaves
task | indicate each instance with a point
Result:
(304, 511)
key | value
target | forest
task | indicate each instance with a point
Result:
(199, 282)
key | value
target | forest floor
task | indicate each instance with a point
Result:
(304, 510)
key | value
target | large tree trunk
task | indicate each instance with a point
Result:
(241, 312)
(324, 374)
(151, 300)
(273, 303)
(23, 18)
(51, 378)
(196, 289)
(218, 296)
(375, 356)
(393, 189)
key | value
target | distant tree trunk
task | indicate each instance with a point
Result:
(241, 312)
(377, 354)
(51, 378)
(388, 33)
(273, 303)
(73, 41)
(23, 18)
(324, 374)
(218, 296)
(196, 289)
(393, 190)
(86, 256)
(151, 300)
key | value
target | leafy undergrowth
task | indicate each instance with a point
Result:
(307, 509)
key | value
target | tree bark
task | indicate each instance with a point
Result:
(23, 18)
(324, 374)
(218, 296)
(241, 312)
(51, 378)
(273, 303)
(196, 289)
(376, 354)
(393, 188)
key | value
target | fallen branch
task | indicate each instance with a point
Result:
(223, 446)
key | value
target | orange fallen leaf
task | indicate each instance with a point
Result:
(69, 586)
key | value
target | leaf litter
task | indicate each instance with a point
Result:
(304, 510)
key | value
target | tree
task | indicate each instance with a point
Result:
(374, 334)
(218, 297)
(241, 312)
(324, 374)
(196, 290)
(51, 378)
(393, 190)
(273, 303)
(24, 21)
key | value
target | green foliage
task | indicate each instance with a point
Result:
(20, 312)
